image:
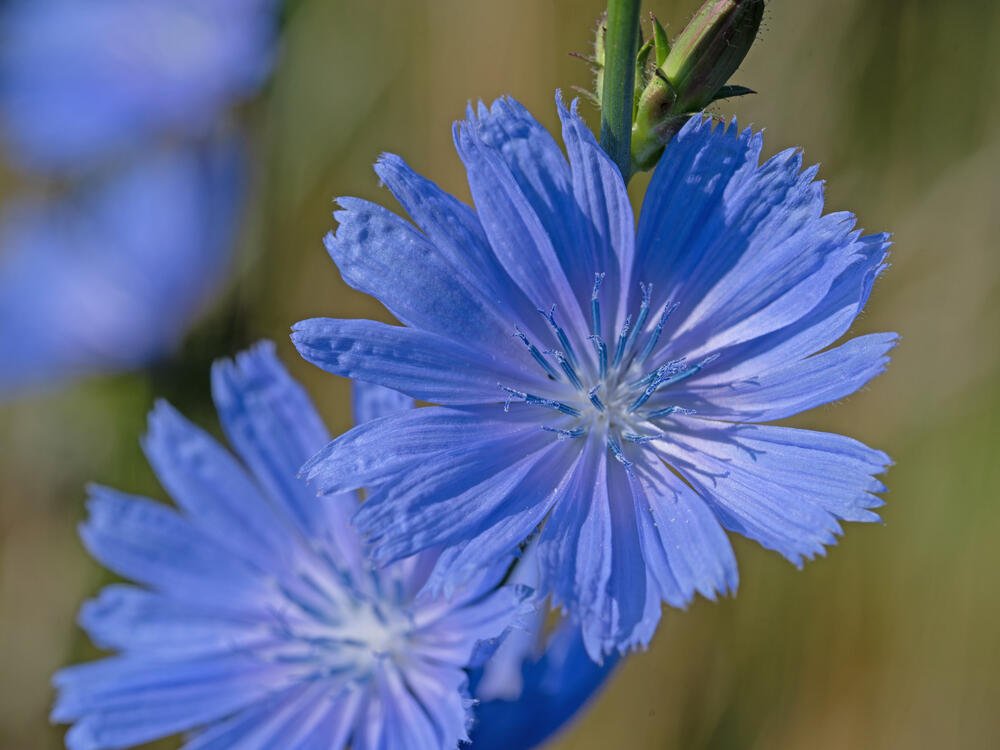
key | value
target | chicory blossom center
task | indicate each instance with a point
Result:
(344, 634)
(608, 389)
(373, 632)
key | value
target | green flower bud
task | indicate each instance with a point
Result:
(710, 49)
(692, 73)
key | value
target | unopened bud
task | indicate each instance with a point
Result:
(693, 74)
(710, 49)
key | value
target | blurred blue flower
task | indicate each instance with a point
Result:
(129, 96)
(600, 382)
(554, 687)
(535, 683)
(80, 82)
(108, 277)
(258, 621)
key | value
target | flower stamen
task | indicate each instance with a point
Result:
(595, 305)
(534, 400)
(655, 336)
(550, 316)
(567, 367)
(622, 340)
(537, 355)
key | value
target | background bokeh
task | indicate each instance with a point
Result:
(893, 639)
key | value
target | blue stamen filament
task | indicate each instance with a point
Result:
(684, 374)
(655, 336)
(647, 292)
(633, 438)
(618, 453)
(622, 340)
(595, 306)
(574, 433)
(567, 368)
(671, 368)
(592, 395)
(668, 411)
(602, 355)
(622, 408)
(661, 377)
(537, 355)
(529, 398)
(560, 335)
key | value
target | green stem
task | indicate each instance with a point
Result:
(619, 82)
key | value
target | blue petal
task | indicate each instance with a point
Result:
(424, 365)
(385, 256)
(501, 677)
(558, 545)
(273, 425)
(773, 286)
(514, 520)
(151, 544)
(685, 547)
(609, 226)
(298, 718)
(590, 552)
(388, 449)
(442, 692)
(516, 233)
(540, 171)
(370, 402)
(331, 731)
(556, 687)
(129, 618)
(450, 500)
(796, 387)
(820, 328)
(454, 229)
(743, 249)
(783, 487)
(631, 621)
(121, 701)
(396, 719)
(681, 216)
(465, 635)
(213, 489)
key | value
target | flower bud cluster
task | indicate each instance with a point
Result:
(674, 81)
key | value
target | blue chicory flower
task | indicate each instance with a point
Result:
(535, 683)
(108, 277)
(599, 383)
(80, 82)
(554, 686)
(257, 621)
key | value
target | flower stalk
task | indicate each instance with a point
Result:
(617, 92)
(650, 89)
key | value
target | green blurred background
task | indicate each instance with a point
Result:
(893, 640)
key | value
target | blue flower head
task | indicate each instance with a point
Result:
(535, 683)
(599, 383)
(108, 277)
(554, 687)
(82, 81)
(257, 621)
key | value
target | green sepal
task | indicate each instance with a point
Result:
(587, 94)
(600, 36)
(660, 40)
(728, 92)
(642, 67)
